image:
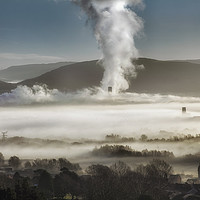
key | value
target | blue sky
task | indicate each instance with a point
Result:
(35, 31)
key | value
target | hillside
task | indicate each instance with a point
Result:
(6, 87)
(71, 77)
(195, 61)
(166, 77)
(23, 72)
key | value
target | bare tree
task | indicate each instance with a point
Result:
(14, 162)
(120, 168)
(1, 159)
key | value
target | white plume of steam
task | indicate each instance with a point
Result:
(115, 26)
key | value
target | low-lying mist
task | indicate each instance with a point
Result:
(91, 114)
(95, 121)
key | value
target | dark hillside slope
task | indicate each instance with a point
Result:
(165, 77)
(23, 72)
(70, 78)
(6, 87)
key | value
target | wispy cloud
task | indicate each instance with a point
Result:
(10, 59)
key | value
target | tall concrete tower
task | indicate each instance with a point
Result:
(110, 89)
(184, 110)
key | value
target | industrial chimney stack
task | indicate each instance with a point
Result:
(184, 110)
(110, 89)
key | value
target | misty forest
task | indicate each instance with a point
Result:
(110, 111)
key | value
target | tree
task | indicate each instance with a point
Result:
(67, 182)
(1, 159)
(143, 138)
(27, 165)
(5, 181)
(14, 162)
(45, 184)
(120, 168)
(53, 164)
(59, 187)
(23, 191)
(155, 179)
(161, 168)
(99, 170)
(17, 178)
(102, 184)
(7, 194)
(40, 164)
(65, 163)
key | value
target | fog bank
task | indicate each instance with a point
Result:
(40, 94)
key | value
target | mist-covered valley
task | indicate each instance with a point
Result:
(72, 123)
(113, 122)
(43, 123)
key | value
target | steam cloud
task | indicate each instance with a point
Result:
(40, 94)
(115, 26)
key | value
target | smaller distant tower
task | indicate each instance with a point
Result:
(4, 135)
(199, 171)
(184, 110)
(110, 89)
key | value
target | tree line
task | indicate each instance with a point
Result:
(100, 182)
(127, 151)
(48, 164)
(144, 138)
